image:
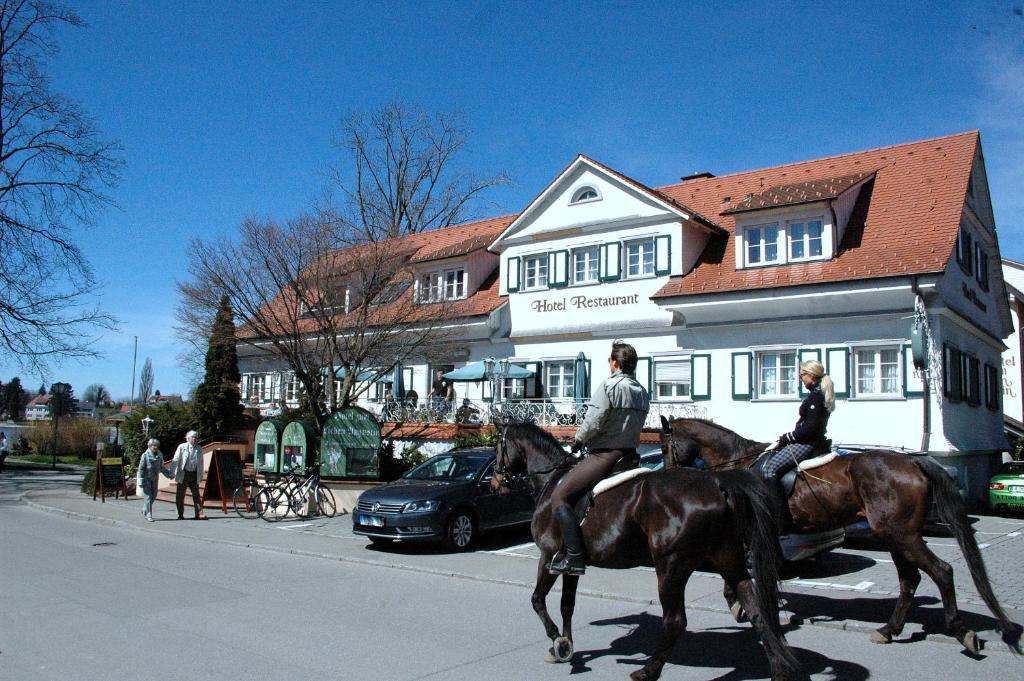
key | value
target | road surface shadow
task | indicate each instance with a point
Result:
(734, 650)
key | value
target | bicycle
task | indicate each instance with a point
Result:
(311, 487)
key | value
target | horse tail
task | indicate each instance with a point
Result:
(952, 511)
(751, 504)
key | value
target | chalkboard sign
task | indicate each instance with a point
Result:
(109, 477)
(224, 476)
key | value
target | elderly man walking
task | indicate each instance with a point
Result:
(187, 469)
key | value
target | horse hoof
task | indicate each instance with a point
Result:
(561, 651)
(737, 612)
(880, 637)
(970, 642)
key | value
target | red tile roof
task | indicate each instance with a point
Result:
(796, 194)
(905, 221)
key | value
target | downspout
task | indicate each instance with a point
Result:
(926, 410)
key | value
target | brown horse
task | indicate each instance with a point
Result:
(890, 491)
(676, 521)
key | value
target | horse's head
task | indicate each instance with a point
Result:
(677, 448)
(509, 461)
(525, 449)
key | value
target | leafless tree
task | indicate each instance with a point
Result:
(146, 379)
(54, 170)
(96, 393)
(333, 289)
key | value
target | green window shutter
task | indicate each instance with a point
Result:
(590, 379)
(700, 386)
(610, 262)
(837, 366)
(662, 254)
(913, 382)
(558, 269)
(806, 355)
(512, 274)
(742, 375)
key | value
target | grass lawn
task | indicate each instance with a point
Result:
(44, 461)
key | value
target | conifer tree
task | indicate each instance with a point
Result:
(218, 403)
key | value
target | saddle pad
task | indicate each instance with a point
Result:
(816, 461)
(622, 477)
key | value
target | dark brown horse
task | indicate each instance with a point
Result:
(890, 491)
(676, 521)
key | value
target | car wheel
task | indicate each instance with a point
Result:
(460, 532)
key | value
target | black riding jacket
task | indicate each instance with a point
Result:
(810, 428)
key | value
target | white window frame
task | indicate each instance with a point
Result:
(541, 262)
(431, 288)
(593, 259)
(805, 240)
(641, 259)
(577, 195)
(455, 290)
(780, 381)
(876, 392)
(292, 389)
(762, 244)
(682, 391)
(565, 389)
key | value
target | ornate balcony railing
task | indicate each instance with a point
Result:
(544, 412)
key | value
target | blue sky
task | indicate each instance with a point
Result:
(228, 109)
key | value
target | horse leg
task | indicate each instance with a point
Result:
(918, 553)
(672, 577)
(562, 649)
(766, 624)
(910, 577)
(545, 581)
(729, 593)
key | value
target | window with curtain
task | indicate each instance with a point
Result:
(776, 374)
(672, 379)
(559, 379)
(877, 372)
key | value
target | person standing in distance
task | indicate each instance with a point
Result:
(187, 469)
(4, 450)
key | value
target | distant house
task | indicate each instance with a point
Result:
(158, 399)
(38, 408)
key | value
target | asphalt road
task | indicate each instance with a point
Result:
(91, 591)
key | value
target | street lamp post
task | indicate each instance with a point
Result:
(496, 371)
(146, 423)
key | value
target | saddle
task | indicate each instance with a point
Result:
(823, 456)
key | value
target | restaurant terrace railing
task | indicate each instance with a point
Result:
(544, 412)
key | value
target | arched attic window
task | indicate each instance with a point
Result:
(584, 194)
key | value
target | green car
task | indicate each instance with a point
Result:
(1006, 487)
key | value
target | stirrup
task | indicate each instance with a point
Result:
(568, 565)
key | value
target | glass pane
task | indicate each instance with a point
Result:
(789, 373)
(814, 238)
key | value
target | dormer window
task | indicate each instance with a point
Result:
(585, 194)
(441, 285)
(781, 242)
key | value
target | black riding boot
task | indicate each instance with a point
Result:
(572, 563)
(781, 504)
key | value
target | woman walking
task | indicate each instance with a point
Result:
(151, 465)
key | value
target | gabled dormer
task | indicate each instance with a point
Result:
(794, 223)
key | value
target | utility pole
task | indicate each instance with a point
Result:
(135, 358)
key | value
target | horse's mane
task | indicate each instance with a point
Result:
(536, 436)
(737, 440)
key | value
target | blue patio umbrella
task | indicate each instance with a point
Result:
(475, 371)
(580, 382)
(398, 383)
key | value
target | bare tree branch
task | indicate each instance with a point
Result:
(54, 171)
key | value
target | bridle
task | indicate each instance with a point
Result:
(506, 479)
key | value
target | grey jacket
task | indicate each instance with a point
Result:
(616, 414)
(152, 465)
(181, 456)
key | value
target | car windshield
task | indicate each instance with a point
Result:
(447, 467)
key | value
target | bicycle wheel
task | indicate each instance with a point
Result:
(273, 503)
(244, 501)
(325, 502)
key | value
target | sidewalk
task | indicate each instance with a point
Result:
(850, 589)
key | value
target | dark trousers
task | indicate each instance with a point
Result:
(192, 483)
(594, 468)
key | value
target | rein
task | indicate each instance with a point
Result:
(500, 464)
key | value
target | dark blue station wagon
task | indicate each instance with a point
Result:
(446, 498)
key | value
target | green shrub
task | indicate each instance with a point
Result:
(476, 438)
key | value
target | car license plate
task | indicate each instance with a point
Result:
(1016, 489)
(371, 520)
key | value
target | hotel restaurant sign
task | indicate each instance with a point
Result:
(622, 305)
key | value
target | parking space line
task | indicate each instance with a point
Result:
(295, 527)
(860, 586)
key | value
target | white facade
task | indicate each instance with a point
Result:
(581, 265)
(1013, 399)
